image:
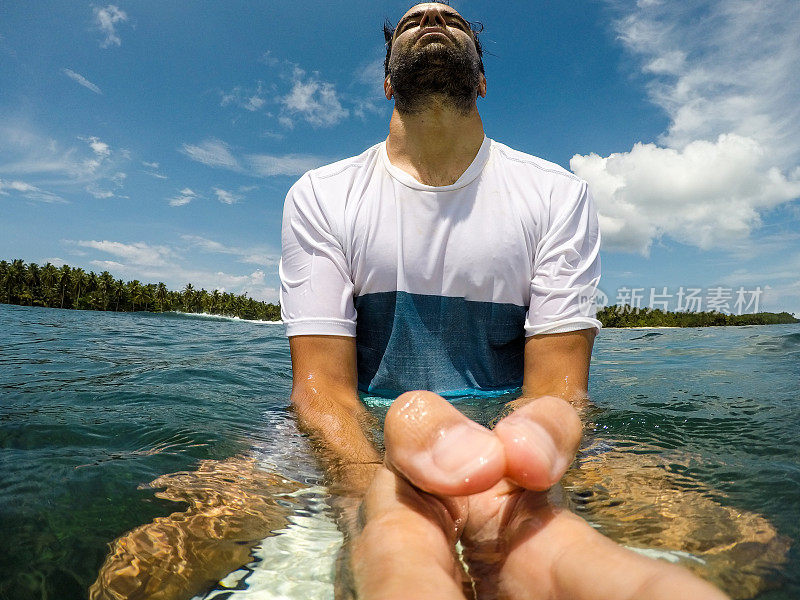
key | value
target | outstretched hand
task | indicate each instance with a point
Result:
(446, 478)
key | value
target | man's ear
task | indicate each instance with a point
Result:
(482, 86)
(387, 88)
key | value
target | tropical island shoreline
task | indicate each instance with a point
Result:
(73, 288)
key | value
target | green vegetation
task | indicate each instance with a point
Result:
(65, 287)
(626, 316)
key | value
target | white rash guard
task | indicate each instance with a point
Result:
(439, 285)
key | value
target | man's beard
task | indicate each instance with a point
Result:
(434, 71)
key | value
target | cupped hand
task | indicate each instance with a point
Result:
(447, 478)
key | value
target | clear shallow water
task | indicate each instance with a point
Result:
(93, 406)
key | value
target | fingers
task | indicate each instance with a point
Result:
(406, 549)
(438, 449)
(540, 441)
(555, 554)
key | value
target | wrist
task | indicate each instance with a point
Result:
(353, 478)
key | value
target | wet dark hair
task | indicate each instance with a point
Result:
(388, 33)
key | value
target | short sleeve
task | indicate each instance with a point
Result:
(566, 268)
(316, 294)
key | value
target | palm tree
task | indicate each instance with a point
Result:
(78, 277)
(15, 277)
(33, 280)
(31, 284)
(149, 294)
(188, 294)
(105, 286)
(63, 281)
(49, 281)
(119, 291)
(161, 295)
(201, 301)
(92, 283)
(135, 290)
(3, 273)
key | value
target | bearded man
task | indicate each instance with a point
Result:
(445, 262)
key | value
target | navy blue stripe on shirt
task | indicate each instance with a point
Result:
(451, 346)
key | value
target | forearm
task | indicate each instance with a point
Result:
(576, 395)
(340, 429)
(557, 365)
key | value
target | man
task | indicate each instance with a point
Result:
(441, 260)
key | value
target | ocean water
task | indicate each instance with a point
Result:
(165, 441)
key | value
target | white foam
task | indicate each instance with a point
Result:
(672, 556)
(297, 562)
(223, 318)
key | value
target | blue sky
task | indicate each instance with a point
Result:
(157, 140)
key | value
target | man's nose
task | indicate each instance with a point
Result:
(432, 17)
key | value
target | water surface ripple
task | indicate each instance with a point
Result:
(94, 405)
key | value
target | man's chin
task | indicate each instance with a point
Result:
(434, 38)
(435, 49)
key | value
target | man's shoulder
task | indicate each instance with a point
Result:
(347, 165)
(533, 165)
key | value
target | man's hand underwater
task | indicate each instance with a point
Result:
(446, 479)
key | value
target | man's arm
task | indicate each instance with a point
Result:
(325, 399)
(545, 419)
(557, 364)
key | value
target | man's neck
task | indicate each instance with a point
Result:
(435, 145)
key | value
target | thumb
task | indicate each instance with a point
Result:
(439, 450)
(540, 440)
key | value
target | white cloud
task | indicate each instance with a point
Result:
(19, 186)
(707, 194)
(249, 100)
(101, 166)
(784, 296)
(152, 263)
(138, 253)
(106, 265)
(370, 76)
(272, 135)
(26, 152)
(372, 73)
(55, 261)
(268, 59)
(206, 244)
(101, 149)
(28, 191)
(212, 152)
(151, 168)
(315, 101)
(44, 163)
(226, 197)
(99, 193)
(185, 196)
(721, 67)
(257, 256)
(669, 63)
(81, 80)
(216, 153)
(724, 73)
(291, 164)
(106, 20)
(308, 97)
